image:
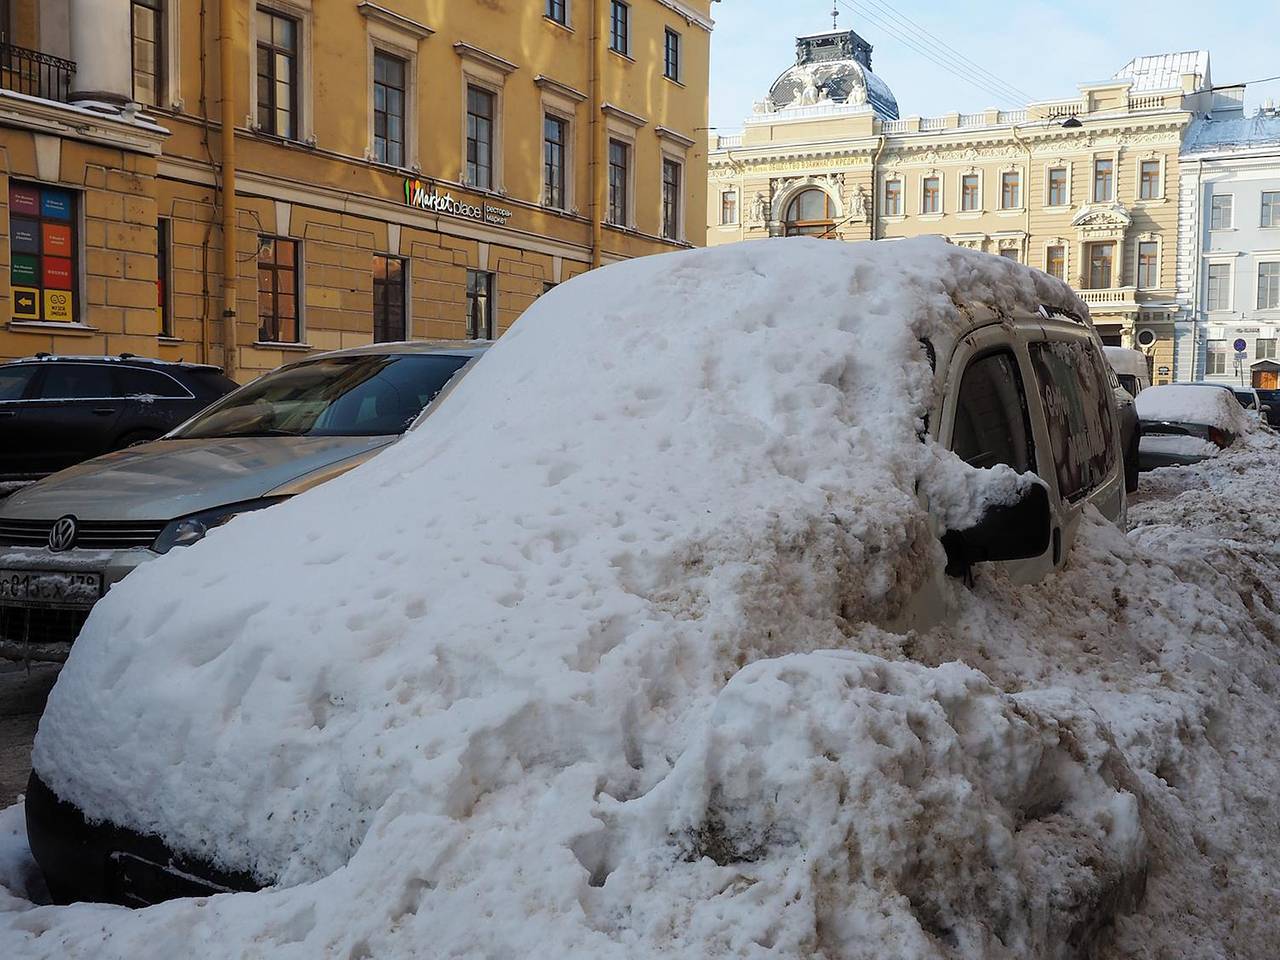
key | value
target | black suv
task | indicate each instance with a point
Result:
(58, 411)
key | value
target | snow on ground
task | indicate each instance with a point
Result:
(20, 879)
(596, 665)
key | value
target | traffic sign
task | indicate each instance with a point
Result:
(1240, 345)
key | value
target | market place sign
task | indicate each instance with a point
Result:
(422, 195)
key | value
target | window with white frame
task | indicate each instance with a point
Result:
(970, 192)
(1148, 264)
(481, 110)
(1270, 208)
(671, 55)
(1216, 356)
(672, 174)
(1264, 348)
(1219, 286)
(1055, 261)
(893, 197)
(620, 27)
(390, 86)
(147, 28)
(1057, 187)
(555, 140)
(1010, 190)
(558, 10)
(728, 207)
(1269, 286)
(1220, 211)
(277, 76)
(619, 182)
(1103, 180)
(931, 195)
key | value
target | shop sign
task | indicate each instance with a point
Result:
(58, 305)
(24, 235)
(55, 204)
(26, 303)
(1163, 371)
(57, 239)
(57, 273)
(25, 200)
(424, 196)
(22, 272)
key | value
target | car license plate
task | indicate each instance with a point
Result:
(50, 588)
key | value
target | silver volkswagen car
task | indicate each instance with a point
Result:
(66, 539)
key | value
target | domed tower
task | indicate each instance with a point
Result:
(833, 68)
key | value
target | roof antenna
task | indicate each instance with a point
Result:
(835, 16)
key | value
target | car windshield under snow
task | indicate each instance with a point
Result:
(353, 396)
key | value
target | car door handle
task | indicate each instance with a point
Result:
(104, 411)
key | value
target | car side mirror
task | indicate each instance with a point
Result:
(1015, 531)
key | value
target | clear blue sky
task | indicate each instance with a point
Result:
(1043, 48)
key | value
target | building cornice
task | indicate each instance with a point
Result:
(468, 51)
(79, 123)
(544, 82)
(615, 111)
(672, 136)
(392, 19)
(691, 16)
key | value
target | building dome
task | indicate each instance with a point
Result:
(835, 68)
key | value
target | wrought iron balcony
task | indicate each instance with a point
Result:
(34, 73)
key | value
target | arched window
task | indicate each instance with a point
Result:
(810, 215)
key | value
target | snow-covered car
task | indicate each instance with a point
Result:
(67, 539)
(1131, 367)
(507, 647)
(1184, 423)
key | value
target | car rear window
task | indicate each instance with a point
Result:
(77, 381)
(1078, 407)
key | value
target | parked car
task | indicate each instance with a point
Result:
(565, 497)
(67, 539)
(1131, 367)
(1270, 400)
(1247, 397)
(1184, 423)
(56, 411)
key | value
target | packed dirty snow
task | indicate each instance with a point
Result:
(1193, 403)
(604, 661)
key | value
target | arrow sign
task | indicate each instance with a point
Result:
(26, 303)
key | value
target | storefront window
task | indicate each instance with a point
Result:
(43, 244)
(479, 305)
(388, 300)
(277, 290)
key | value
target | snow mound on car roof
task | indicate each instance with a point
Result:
(1194, 403)
(443, 696)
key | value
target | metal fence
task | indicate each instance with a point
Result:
(34, 73)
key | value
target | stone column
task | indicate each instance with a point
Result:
(101, 42)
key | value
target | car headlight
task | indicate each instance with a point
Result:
(191, 529)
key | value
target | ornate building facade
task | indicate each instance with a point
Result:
(1084, 188)
(243, 182)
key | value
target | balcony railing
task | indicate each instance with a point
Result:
(1122, 297)
(35, 74)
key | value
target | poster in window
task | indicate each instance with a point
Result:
(26, 303)
(55, 204)
(24, 201)
(24, 271)
(58, 305)
(57, 273)
(24, 235)
(57, 239)
(1078, 408)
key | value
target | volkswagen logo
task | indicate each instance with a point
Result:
(63, 535)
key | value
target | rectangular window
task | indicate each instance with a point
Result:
(1264, 349)
(670, 199)
(1268, 286)
(1101, 258)
(619, 171)
(163, 239)
(969, 197)
(1148, 265)
(1221, 212)
(388, 108)
(1216, 356)
(389, 319)
(620, 27)
(277, 290)
(1079, 407)
(479, 305)
(554, 140)
(1058, 187)
(480, 110)
(671, 56)
(43, 251)
(1055, 261)
(557, 10)
(1271, 208)
(1149, 180)
(1009, 253)
(893, 198)
(147, 28)
(728, 207)
(1219, 286)
(1103, 180)
(277, 74)
(931, 195)
(1010, 190)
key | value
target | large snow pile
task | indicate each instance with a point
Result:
(596, 664)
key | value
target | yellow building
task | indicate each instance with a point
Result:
(1084, 188)
(396, 169)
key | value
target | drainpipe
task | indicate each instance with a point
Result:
(598, 195)
(1198, 265)
(226, 79)
(873, 207)
(1026, 193)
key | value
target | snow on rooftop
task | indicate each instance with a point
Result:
(1164, 71)
(1207, 134)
